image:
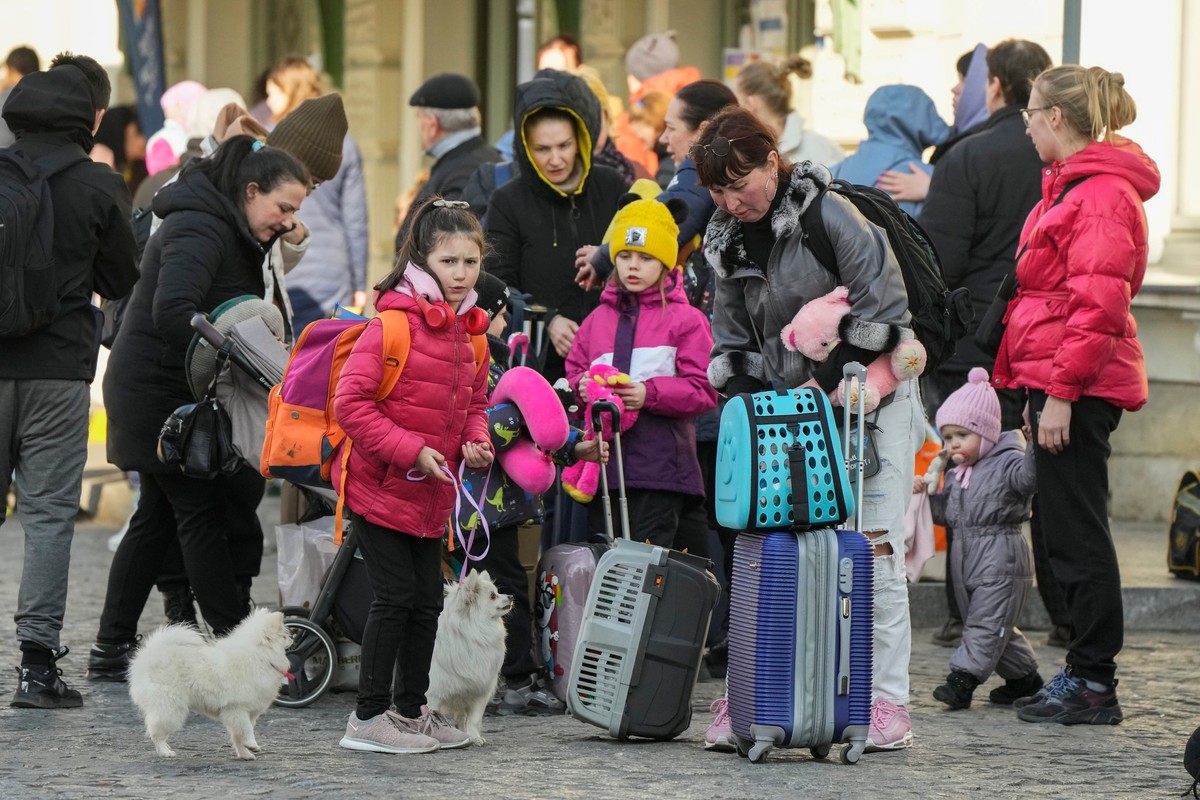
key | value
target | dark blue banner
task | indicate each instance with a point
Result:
(141, 25)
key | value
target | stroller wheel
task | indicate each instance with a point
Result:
(313, 659)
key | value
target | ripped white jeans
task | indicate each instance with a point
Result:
(900, 427)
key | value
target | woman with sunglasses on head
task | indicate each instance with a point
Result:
(1071, 343)
(765, 274)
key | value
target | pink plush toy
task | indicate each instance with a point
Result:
(582, 479)
(813, 332)
(544, 429)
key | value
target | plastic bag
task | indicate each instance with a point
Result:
(305, 552)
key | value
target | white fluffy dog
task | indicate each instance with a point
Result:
(232, 679)
(468, 652)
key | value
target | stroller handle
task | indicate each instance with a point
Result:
(213, 336)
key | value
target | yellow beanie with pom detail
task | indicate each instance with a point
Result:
(645, 226)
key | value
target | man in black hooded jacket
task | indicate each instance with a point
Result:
(44, 375)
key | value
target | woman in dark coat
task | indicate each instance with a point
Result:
(219, 219)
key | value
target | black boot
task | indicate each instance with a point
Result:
(1016, 688)
(110, 661)
(178, 605)
(957, 690)
(42, 686)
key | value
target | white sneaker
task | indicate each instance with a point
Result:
(381, 734)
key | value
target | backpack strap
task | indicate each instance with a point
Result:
(397, 338)
(816, 237)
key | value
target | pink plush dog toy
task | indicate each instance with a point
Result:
(813, 332)
(582, 479)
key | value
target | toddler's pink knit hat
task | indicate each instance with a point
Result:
(974, 406)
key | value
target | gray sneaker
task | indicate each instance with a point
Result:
(381, 734)
(435, 725)
(530, 699)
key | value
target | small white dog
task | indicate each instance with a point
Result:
(232, 680)
(468, 652)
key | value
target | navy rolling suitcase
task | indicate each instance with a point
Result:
(800, 637)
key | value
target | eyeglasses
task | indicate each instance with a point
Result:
(719, 147)
(451, 204)
(1026, 113)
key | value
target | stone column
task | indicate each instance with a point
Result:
(375, 50)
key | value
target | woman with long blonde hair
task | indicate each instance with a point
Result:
(1071, 343)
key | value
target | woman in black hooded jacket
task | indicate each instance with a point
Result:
(219, 219)
(559, 202)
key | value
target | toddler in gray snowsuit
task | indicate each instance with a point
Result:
(984, 500)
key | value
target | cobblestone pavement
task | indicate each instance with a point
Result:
(99, 750)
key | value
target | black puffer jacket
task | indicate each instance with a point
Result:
(449, 176)
(981, 193)
(535, 228)
(202, 255)
(93, 243)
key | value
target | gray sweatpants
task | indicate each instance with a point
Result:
(43, 445)
(992, 575)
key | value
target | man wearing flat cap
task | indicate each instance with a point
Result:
(447, 108)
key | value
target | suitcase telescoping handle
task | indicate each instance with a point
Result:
(854, 461)
(599, 409)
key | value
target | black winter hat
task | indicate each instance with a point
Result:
(447, 90)
(492, 294)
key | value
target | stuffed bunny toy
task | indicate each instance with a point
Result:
(582, 479)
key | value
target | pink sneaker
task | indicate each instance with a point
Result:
(719, 735)
(891, 728)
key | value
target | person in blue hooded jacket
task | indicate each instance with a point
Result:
(901, 123)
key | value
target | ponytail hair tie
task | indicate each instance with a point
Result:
(258, 145)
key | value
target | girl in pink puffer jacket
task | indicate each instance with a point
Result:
(398, 485)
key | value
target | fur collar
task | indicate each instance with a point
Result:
(723, 244)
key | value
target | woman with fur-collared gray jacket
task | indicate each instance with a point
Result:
(765, 274)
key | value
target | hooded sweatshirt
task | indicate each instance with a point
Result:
(1070, 331)
(534, 227)
(94, 250)
(901, 122)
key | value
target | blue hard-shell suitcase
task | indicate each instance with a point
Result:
(800, 642)
(770, 444)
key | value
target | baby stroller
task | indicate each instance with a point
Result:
(312, 653)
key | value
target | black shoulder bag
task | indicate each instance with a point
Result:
(198, 437)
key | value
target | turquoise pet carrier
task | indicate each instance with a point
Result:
(780, 464)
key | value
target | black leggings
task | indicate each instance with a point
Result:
(503, 565)
(214, 523)
(1073, 507)
(406, 576)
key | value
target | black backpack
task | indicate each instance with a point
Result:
(1183, 544)
(28, 283)
(939, 316)
(114, 310)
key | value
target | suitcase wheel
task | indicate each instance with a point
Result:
(758, 752)
(852, 752)
(821, 751)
